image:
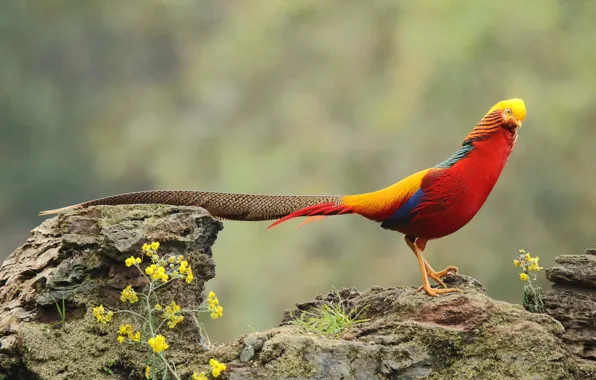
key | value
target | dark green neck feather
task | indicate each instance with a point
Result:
(462, 152)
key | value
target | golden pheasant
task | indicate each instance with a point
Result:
(429, 204)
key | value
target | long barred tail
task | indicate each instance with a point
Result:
(243, 207)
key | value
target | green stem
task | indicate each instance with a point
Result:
(130, 312)
(169, 367)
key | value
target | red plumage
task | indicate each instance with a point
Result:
(453, 195)
(437, 202)
(324, 209)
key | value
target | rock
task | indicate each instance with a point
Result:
(78, 258)
(403, 334)
(572, 301)
(409, 335)
(576, 270)
(252, 345)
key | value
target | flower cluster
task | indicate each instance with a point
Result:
(164, 268)
(132, 261)
(157, 272)
(527, 263)
(532, 297)
(150, 249)
(171, 314)
(126, 331)
(158, 343)
(129, 294)
(216, 369)
(160, 271)
(102, 315)
(185, 269)
(199, 376)
(214, 306)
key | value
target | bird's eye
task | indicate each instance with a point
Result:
(508, 111)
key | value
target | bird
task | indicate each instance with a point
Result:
(427, 205)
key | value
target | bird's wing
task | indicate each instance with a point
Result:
(393, 202)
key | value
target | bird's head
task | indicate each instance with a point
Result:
(512, 112)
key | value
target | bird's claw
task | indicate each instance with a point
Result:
(437, 275)
(446, 271)
(435, 292)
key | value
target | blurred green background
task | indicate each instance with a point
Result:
(299, 97)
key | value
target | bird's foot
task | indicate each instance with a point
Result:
(437, 275)
(446, 271)
(435, 292)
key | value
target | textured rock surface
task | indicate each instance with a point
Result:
(411, 336)
(572, 301)
(79, 257)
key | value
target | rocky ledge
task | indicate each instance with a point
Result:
(77, 257)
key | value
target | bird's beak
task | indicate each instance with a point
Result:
(518, 123)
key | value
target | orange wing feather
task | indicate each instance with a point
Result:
(377, 205)
(381, 204)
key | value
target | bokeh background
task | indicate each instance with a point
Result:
(298, 97)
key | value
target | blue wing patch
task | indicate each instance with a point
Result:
(402, 215)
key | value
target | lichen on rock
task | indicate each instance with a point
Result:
(572, 301)
(409, 335)
(404, 334)
(79, 257)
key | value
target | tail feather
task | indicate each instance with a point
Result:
(59, 210)
(230, 206)
(315, 212)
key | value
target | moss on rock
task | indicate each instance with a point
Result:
(79, 257)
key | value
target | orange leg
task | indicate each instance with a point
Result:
(437, 275)
(426, 271)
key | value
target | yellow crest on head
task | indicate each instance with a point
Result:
(517, 107)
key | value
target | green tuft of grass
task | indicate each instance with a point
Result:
(62, 313)
(329, 318)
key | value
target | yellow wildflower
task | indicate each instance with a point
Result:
(146, 247)
(158, 343)
(102, 315)
(159, 274)
(155, 246)
(527, 257)
(183, 266)
(129, 294)
(150, 269)
(174, 320)
(148, 372)
(523, 277)
(125, 329)
(517, 263)
(214, 307)
(189, 276)
(217, 313)
(522, 251)
(216, 367)
(136, 337)
(171, 259)
(179, 259)
(158, 306)
(171, 313)
(132, 261)
(200, 376)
